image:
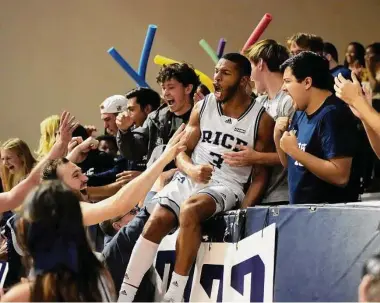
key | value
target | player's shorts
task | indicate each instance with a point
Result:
(182, 188)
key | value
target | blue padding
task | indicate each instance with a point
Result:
(319, 251)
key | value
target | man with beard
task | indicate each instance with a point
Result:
(205, 186)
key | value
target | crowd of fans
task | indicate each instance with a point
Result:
(89, 190)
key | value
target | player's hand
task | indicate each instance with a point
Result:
(124, 121)
(201, 173)
(246, 156)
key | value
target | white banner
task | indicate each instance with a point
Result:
(223, 272)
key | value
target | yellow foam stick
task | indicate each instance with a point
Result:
(161, 60)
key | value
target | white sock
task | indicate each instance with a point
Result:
(176, 288)
(127, 293)
(141, 260)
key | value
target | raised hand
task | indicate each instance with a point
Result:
(348, 90)
(124, 121)
(175, 145)
(66, 128)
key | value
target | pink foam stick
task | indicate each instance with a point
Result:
(258, 31)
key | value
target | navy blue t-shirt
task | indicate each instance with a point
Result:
(328, 133)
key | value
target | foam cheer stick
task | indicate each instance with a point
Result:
(257, 32)
(138, 77)
(221, 46)
(146, 50)
(208, 49)
(127, 67)
(161, 60)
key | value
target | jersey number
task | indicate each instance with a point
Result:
(217, 160)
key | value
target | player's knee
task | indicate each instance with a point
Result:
(189, 214)
(159, 225)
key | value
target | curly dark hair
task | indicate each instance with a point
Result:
(182, 72)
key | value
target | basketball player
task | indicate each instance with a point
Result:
(205, 186)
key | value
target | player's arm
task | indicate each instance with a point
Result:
(136, 190)
(193, 130)
(198, 173)
(260, 173)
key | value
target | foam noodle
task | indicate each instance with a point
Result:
(125, 65)
(221, 46)
(257, 32)
(146, 50)
(160, 60)
(208, 49)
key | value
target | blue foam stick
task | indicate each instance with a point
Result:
(146, 50)
(125, 65)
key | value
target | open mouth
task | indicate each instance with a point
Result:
(170, 102)
(11, 167)
(218, 90)
(83, 189)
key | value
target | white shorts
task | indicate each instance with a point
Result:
(182, 188)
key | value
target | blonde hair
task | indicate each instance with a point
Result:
(48, 127)
(22, 150)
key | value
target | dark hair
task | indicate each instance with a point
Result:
(204, 89)
(243, 64)
(272, 53)
(182, 72)
(106, 226)
(360, 53)
(144, 97)
(330, 49)
(80, 131)
(108, 138)
(49, 172)
(50, 229)
(310, 64)
(375, 48)
(307, 41)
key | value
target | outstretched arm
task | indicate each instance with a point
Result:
(130, 195)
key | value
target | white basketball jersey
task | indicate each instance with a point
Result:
(221, 134)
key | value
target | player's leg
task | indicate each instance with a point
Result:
(160, 223)
(194, 211)
(162, 220)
